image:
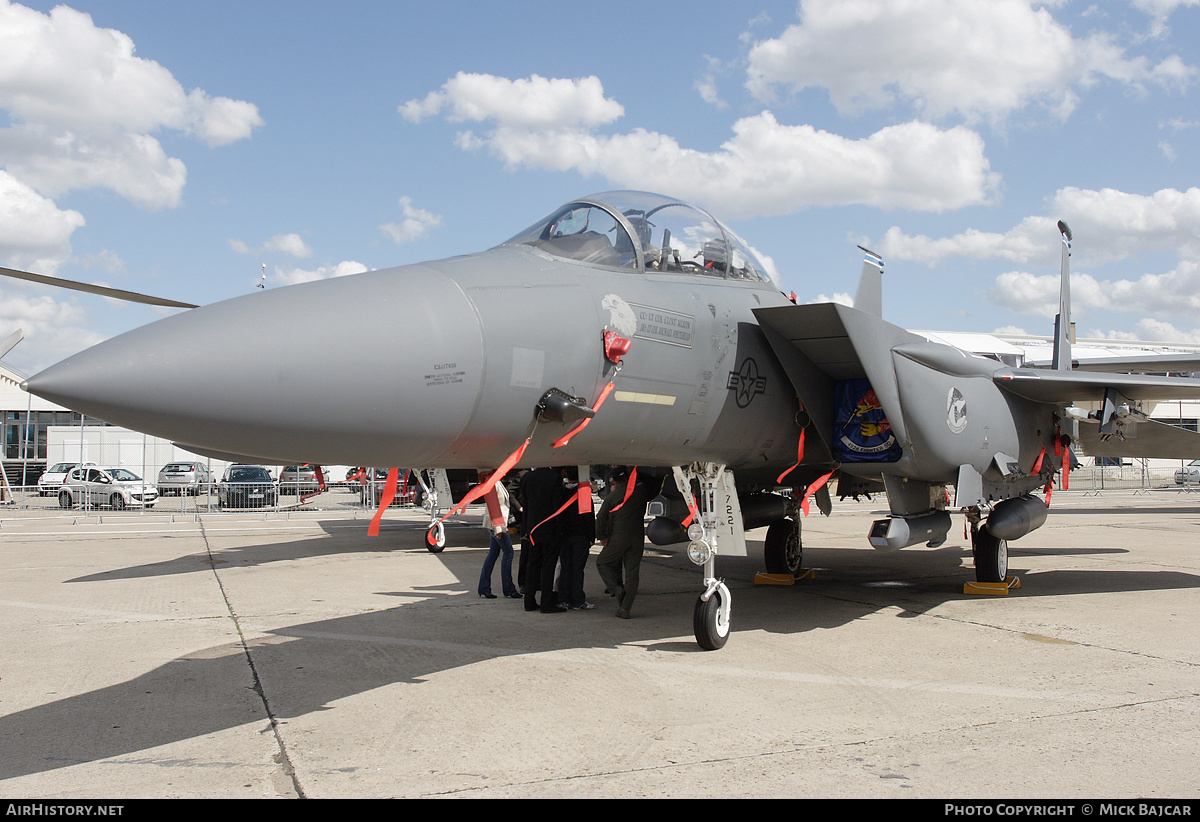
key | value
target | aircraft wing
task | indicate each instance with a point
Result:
(1148, 439)
(1066, 387)
(1160, 364)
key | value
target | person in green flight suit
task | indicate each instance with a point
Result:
(621, 532)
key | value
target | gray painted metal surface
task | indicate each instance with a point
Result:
(721, 370)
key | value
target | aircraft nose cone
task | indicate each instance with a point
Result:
(381, 368)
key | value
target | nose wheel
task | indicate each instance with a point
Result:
(435, 538)
(710, 619)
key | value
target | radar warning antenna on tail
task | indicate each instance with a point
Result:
(869, 297)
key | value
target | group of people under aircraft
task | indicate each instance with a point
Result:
(557, 532)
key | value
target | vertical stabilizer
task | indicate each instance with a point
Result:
(869, 297)
(1062, 322)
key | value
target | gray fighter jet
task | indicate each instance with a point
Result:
(627, 328)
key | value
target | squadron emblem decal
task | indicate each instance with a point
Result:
(746, 382)
(956, 411)
(863, 431)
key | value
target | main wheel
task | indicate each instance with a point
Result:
(64, 500)
(710, 628)
(991, 555)
(117, 502)
(435, 538)
(782, 551)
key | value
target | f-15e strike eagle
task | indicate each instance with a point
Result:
(631, 328)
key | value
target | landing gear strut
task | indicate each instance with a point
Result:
(710, 618)
(716, 520)
(435, 536)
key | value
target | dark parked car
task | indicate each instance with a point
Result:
(246, 486)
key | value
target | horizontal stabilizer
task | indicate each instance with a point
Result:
(1151, 440)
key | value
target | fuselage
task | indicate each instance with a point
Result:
(443, 364)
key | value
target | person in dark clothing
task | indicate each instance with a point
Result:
(579, 534)
(621, 531)
(541, 495)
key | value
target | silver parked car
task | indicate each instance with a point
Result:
(183, 478)
(1189, 474)
(298, 479)
(115, 487)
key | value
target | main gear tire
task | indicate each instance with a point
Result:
(991, 555)
(782, 550)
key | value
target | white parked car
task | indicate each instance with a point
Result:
(114, 487)
(52, 478)
(1189, 474)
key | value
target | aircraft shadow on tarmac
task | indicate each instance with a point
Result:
(1141, 510)
(307, 667)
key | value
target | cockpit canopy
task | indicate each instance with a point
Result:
(644, 232)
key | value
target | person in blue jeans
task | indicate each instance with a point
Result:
(500, 546)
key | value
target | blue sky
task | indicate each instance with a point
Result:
(176, 148)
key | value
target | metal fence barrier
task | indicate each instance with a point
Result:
(215, 496)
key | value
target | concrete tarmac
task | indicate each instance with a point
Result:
(243, 655)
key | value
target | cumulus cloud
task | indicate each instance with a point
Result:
(537, 102)
(839, 297)
(289, 244)
(292, 245)
(417, 223)
(1160, 10)
(765, 168)
(53, 329)
(1108, 225)
(1160, 331)
(979, 59)
(82, 111)
(132, 165)
(63, 72)
(1176, 293)
(1031, 241)
(34, 233)
(292, 276)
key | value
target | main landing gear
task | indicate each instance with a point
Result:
(991, 554)
(783, 552)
